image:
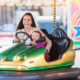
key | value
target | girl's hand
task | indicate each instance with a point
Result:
(33, 42)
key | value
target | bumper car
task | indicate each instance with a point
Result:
(20, 57)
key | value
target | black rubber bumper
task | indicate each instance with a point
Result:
(40, 75)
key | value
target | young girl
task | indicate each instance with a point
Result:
(36, 35)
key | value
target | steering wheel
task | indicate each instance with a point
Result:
(23, 40)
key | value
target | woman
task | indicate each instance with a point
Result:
(27, 24)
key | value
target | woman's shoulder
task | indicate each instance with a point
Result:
(35, 28)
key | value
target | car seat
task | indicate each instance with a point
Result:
(61, 43)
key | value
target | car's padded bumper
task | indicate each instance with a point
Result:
(43, 74)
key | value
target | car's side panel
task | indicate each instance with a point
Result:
(66, 60)
(67, 56)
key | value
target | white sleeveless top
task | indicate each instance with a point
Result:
(27, 42)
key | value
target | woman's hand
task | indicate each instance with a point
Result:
(46, 51)
(16, 39)
(33, 42)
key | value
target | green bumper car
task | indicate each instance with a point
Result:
(20, 57)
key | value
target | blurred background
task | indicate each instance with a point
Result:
(11, 12)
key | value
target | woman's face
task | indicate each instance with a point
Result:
(35, 36)
(27, 21)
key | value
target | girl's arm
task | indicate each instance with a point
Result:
(40, 45)
(37, 44)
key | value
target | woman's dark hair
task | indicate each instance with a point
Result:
(21, 26)
(45, 32)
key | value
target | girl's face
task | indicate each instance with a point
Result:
(27, 21)
(35, 36)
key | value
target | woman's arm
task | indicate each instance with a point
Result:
(20, 35)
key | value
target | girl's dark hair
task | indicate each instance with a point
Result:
(21, 26)
(40, 34)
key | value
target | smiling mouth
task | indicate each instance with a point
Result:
(26, 24)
